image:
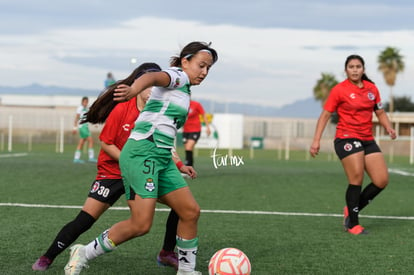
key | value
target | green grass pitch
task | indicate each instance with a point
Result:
(285, 215)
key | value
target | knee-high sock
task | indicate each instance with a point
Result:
(368, 194)
(101, 245)
(187, 253)
(352, 201)
(170, 232)
(189, 161)
(69, 233)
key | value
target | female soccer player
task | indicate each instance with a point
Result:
(354, 100)
(84, 133)
(145, 161)
(108, 185)
(192, 130)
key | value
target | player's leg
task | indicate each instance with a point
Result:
(354, 169)
(78, 151)
(377, 170)
(167, 255)
(188, 210)
(189, 147)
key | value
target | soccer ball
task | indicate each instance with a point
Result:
(229, 261)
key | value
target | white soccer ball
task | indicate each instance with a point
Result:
(229, 261)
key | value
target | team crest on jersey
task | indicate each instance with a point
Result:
(348, 147)
(149, 185)
(177, 83)
(95, 186)
(371, 96)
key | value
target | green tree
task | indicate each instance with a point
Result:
(401, 104)
(324, 86)
(390, 64)
(322, 89)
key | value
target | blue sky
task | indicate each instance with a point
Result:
(270, 52)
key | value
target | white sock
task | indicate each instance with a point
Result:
(91, 153)
(187, 254)
(77, 154)
(99, 246)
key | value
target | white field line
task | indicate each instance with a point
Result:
(401, 172)
(218, 211)
(13, 155)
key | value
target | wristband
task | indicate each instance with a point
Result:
(179, 164)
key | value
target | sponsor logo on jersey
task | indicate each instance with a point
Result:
(149, 185)
(95, 186)
(371, 96)
(126, 127)
(348, 147)
(352, 96)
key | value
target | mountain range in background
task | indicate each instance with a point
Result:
(306, 108)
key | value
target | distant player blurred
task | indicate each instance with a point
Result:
(84, 133)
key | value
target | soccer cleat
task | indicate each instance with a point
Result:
(93, 160)
(346, 219)
(78, 161)
(168, 258)
(77, 260)
(357, 230)
(42, 263)
(180, 272)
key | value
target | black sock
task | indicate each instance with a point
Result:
(170, 232)
(368, 194)
(189, 158)
(352, 201)
(69, 233)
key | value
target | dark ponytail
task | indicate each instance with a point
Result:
(104, 104)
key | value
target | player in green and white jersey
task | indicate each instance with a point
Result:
(148, 172)
(84, 133)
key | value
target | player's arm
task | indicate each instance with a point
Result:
(320, 127)
(189, 170)
(124, 92)
(385, 122)
(111, 150)
(75, 124)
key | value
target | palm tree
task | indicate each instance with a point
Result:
(390, 64)
(324, 86)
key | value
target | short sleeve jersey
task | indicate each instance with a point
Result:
(193, 123)
(165, 111)
(81, 111)
(116, 131)
(354, 107)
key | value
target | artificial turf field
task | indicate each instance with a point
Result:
(285, 215)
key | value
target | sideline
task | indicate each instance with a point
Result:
(13, 155)
(217, 211)
(401, 172)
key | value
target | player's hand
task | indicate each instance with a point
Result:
(189, 170)
(392, 133)
(123, 93)
(314, 149)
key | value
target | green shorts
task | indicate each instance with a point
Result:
(148, 171)
(84, 131)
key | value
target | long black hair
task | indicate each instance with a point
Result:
(105, 103)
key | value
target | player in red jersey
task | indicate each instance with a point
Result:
(192, 130)
(108, 185)
(354, 100)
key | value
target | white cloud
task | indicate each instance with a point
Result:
(272, 66)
